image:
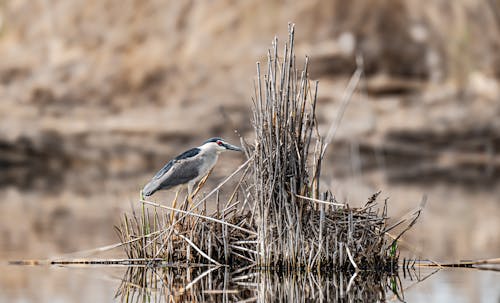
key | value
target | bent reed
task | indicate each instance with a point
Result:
(276, 217)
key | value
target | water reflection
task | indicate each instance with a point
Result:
(219, 284)
(102, 283)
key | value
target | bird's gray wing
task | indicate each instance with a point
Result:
(164, 170)
(181, 172)
(177, 172)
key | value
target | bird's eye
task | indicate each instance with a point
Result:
(219, 142)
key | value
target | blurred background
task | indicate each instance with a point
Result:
(95, 96)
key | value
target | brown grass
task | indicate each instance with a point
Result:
(276, 216)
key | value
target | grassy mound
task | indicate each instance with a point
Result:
(276, 216)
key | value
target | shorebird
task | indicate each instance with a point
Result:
(188, 168)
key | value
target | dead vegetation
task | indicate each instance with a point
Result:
(276, 216)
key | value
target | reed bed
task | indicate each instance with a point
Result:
(276, 216)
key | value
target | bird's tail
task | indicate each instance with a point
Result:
(150, 188)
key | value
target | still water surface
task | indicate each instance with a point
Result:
(109, 284)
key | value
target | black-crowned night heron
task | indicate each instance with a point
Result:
(188, 168)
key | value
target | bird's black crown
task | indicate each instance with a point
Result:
(215, 139)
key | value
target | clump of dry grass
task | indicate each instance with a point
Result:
(276, 216)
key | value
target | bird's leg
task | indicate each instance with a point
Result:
(189, 196)
(189, 202)
(202, 183)
(174, 204)
(186, 205)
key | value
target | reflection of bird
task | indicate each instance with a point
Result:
(188, 168)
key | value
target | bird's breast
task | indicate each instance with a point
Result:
(208, 162)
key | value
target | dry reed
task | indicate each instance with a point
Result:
(276, 217)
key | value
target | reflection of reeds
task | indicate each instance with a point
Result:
(192, 284)
(217, 284)
(366, 287)
(276, 216)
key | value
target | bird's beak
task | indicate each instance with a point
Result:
(232, 147)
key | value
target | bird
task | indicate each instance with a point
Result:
(188, 168)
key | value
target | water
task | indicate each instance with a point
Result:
(456, 224)
(457, 285)
(108, 284)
